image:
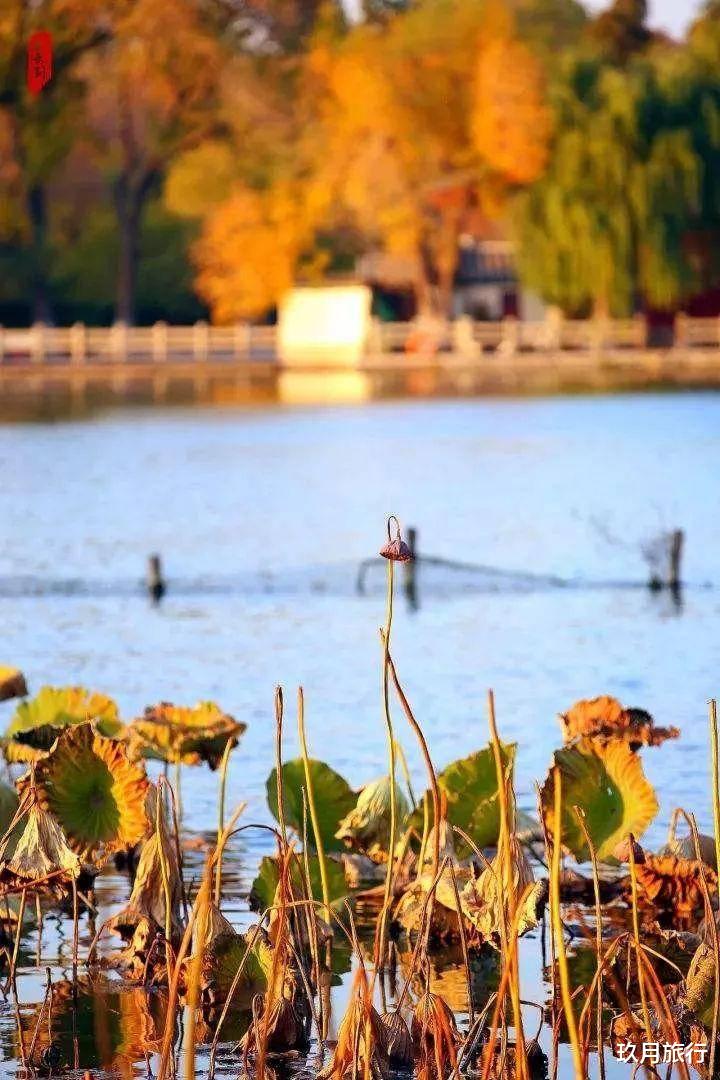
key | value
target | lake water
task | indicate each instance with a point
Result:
(263, 518)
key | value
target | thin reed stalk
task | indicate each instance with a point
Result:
(508, 905)
(221, 812)
(636, 938)
(319, 846)
(580, 815)
(557, 929)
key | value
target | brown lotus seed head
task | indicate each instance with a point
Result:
(396, 550)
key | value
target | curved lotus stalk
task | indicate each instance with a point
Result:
(40, 859)
(183, 735)
(605, 718)
(367, 827)
(38, 722)
(94, 792)
(158, 861)
(607, 782)
(674, 884)
(12, 683)
(483, 900)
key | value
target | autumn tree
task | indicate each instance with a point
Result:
(152, 93)
(418, 133)
(37, 132)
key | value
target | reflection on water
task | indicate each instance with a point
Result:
(284, 506)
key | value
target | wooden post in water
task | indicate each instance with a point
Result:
(156, 585)
(677, 539)
(410, 569)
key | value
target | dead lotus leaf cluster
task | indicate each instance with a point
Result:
(605, 718)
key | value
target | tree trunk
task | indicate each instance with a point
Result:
(128, 207)
(39, 255)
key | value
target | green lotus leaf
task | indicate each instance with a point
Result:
(36, 723)
(12, 683)
(367, 826)
(95, 793)
(606, 780)
(334, 799)
(222, 958)
(263, 889)
(471, 790)
(175, 733)
(9, 803)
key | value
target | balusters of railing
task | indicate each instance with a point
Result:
(37, 346)
(201, 340)
(510, 336)
(118, 341)
(78, 343)
(242, 341)
(160, 341)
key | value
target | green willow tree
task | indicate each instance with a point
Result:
(607, 223)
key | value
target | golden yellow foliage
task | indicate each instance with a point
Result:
(510, 121)
(249, 251)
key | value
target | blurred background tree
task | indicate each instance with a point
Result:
(195, 157)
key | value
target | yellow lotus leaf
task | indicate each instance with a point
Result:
(36, 723)
(190, 736)
(606, 780)
(94, 792)
(12, 683)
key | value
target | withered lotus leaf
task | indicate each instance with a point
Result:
(674, 884)
(605, 718)
(606, 780)
(398, 1040)
(40, 857)
(412, 908)
(361, 1047)
(37, 722)
(684, 848)
(484, 901)
(367, 827)
(283, 1023)
(12, 683)
(158, 858)
(699, 995)
(435, 1036)
(190, 736)
(95, 793)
